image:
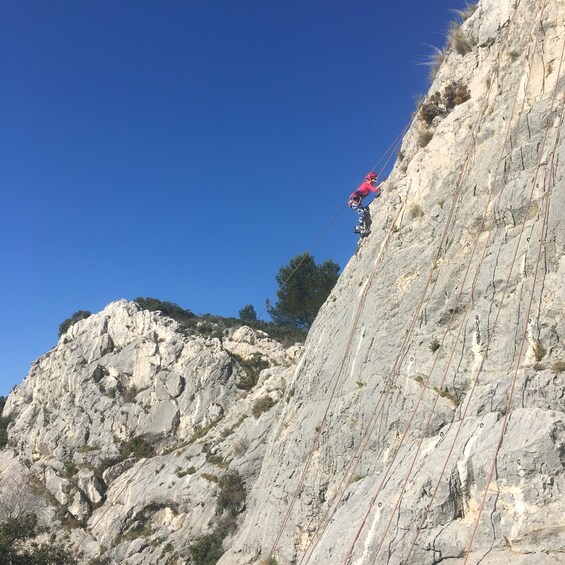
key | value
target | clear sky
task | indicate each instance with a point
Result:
(186, 149)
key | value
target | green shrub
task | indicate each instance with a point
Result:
(15, 549)
(240, 447)
(415, 211)
(201, 431)
(434, 345)
(214, 326)
(76, 317)
(169, 309)
(262, 405)
(232, 495)
(106, 464)
(3, 425)
(70, 469)
(252, 367)
(558, 366)
(100, 561)
(190, 471)
(303, 287)
(130, 394)
(445, 393)
(137, 447)
(216, 460)
(139, 530)
(248, 314)
(3, 437)
(208, 549)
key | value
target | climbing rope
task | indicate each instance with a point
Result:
(390, 152)
(530, 302)
(355, 459)
(469, 396)
(388, 386)
(337, 377)
(464, 316)
(444, 235)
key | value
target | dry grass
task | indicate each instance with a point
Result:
(439, 104)
(431, 108)
(539, 351)
(466, 12)
(457, 39)
(415, 211)
(240, 447)
(455, 93)
(261, 405)
(424, 137)
(434, 61)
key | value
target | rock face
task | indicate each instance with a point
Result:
(428, 420)
(129, 423)
(425, 421)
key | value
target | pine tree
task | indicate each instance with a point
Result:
(303, 288)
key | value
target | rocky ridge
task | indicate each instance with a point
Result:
(126, 427)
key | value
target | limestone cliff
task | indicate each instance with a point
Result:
(425, 420)
(429, 402)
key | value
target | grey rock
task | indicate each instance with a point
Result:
(119, 381)
(368, 402)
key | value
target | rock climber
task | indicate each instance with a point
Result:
(356, 199)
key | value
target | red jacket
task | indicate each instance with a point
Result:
(363, 190)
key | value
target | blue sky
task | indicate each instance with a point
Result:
(185, 150)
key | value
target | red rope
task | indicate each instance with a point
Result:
(523, 340)
(337, 379)
(444, 235)
(461, 325)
